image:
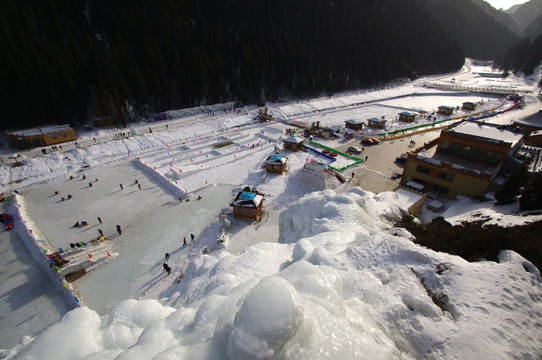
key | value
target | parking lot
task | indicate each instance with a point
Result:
(375, 174)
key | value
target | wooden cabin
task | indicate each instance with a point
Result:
(468, 106)
(354, 124)
(445, 110)
(407, 116)
(376, 123)
(248, 205)
(276, 164)
(293, 143)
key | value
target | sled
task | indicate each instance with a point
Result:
(75, 275)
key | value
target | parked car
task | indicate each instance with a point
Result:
(401, 158)
(367, 141)
(354, 149)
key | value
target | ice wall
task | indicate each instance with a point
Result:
(37, 245)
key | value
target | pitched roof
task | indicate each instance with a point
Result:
(247, 199)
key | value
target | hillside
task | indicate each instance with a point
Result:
(480, 35)
(526, 13)
(69, 64)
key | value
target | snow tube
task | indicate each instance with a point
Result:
(333, 154)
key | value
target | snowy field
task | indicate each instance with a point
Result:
(323, 275)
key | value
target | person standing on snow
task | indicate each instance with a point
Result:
(119, 230)
(167, 268)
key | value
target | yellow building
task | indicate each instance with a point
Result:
(466, 160)
(42, 136)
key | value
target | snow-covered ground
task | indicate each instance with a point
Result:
(323, 275)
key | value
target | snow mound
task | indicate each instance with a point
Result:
(342, 284)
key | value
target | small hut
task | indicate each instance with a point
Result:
(376, 123)
(468, 106)
(276, 164)
(354, 124)
(293, 143)
(445, 110)
(407, 116)
(248, 204)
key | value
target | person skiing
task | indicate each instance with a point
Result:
(119, 230)
(101, 232)
(100, 219)
(167, 256)
(192, 237)
(121, 187)
(184, 241)
(139, 186)
(89, 184)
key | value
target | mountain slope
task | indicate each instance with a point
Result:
(480, 35)
(534, 28)
(527, 13)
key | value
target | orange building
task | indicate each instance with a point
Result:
(42, 136)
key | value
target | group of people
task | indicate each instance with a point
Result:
(192, 240)
(79, 224)
(64, 198)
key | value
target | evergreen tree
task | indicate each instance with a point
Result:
(513, 184)
(531, 195)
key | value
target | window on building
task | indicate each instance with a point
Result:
(423, 169)
(449, 147)
(493, 157)
(441, 189)
(472, 153)
(420, 181)
(445, 175)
